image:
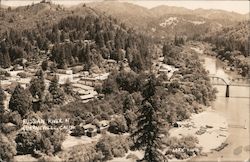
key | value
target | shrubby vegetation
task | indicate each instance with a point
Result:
(2, 99)
(191, 79)
(118, 125)
(109, 147)
(182, 148)
(86, 153)
(38, 142)
(7, 148)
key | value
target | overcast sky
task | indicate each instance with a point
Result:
(235, 5)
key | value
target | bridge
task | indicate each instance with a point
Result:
(243, 82)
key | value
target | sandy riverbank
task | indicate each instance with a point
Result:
(209, 127)
(216, 132)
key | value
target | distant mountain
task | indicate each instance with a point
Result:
(182, 25)
(158, 19)
(206, 13)
(28, 17)
(161, 10)
(220, 15)
(131, 14)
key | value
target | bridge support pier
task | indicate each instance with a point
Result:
(227, 91)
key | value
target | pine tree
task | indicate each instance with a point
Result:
(2, 98)
(99, 39)
(149, 126)
(20, 100)
(61, 59)
(56, 91)
(166, 49)
(37, 85)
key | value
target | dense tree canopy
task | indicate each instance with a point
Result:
(78, 39)
(20, 100)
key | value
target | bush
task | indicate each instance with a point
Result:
(27, 142)
(10, 121)
(118, 125)
(32, 142)
(96, 123)
(105, 116)
(45, 65)
(78, 131)
(15, 118)
(8, 128)
(112, 146)
(7, 149)
(56, 137)
(182, 148)
(85, 152)
(88, 117)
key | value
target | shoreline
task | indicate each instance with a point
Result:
(214, 129)
(204, 49)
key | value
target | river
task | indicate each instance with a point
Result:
(236, 110)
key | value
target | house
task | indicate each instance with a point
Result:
(90, 130)
(62, 78)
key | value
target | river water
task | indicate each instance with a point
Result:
(236, 110)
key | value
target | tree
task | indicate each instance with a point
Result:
(68, 88)
(2, 98)
(166, 49)
(56, 138)
(149, 126)
(118, 125)
(7, 149)
(37, 85)
(20, 101)
(27, 142)
(56, 91)
(47, 141)
(45, 65)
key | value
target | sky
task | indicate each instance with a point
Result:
(233, 5)
(236, 6)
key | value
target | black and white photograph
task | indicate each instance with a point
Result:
(124, 81)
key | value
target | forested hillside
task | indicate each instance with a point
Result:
(232, 44)
(131, 14)
(86, 39)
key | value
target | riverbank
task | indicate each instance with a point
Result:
(205, 48)
(210, 128)
(236, 111)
